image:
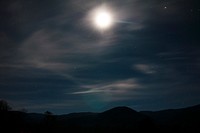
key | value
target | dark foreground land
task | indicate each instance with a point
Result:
(116, 120)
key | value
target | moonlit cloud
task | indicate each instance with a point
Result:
(144, 68)
(116, 87)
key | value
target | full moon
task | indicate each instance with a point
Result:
(103, 20)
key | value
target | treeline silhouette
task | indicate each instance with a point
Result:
(116, 120)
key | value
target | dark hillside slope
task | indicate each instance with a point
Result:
(115, 120)
(182, 120)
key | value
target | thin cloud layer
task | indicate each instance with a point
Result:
(116, 87)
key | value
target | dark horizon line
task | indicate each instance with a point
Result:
(76, 112)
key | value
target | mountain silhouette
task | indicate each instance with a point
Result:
(121, 116)
(120, 110)
(115, 120)
(179, 120)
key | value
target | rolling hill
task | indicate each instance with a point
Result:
(116, 120)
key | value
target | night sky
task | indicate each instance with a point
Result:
(53, 58)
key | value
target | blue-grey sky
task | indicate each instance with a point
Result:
(53, 58)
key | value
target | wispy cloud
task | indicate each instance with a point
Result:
(145, 68)
(116, 87)
(57, 50)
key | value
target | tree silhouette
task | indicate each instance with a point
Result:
(23, 110)
(48, 113)
(4, 106)
(49, 122)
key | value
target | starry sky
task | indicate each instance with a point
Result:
(53, 58)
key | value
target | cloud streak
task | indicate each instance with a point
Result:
(115, 88)
(144, 68)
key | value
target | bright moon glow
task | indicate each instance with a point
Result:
(103, 20)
